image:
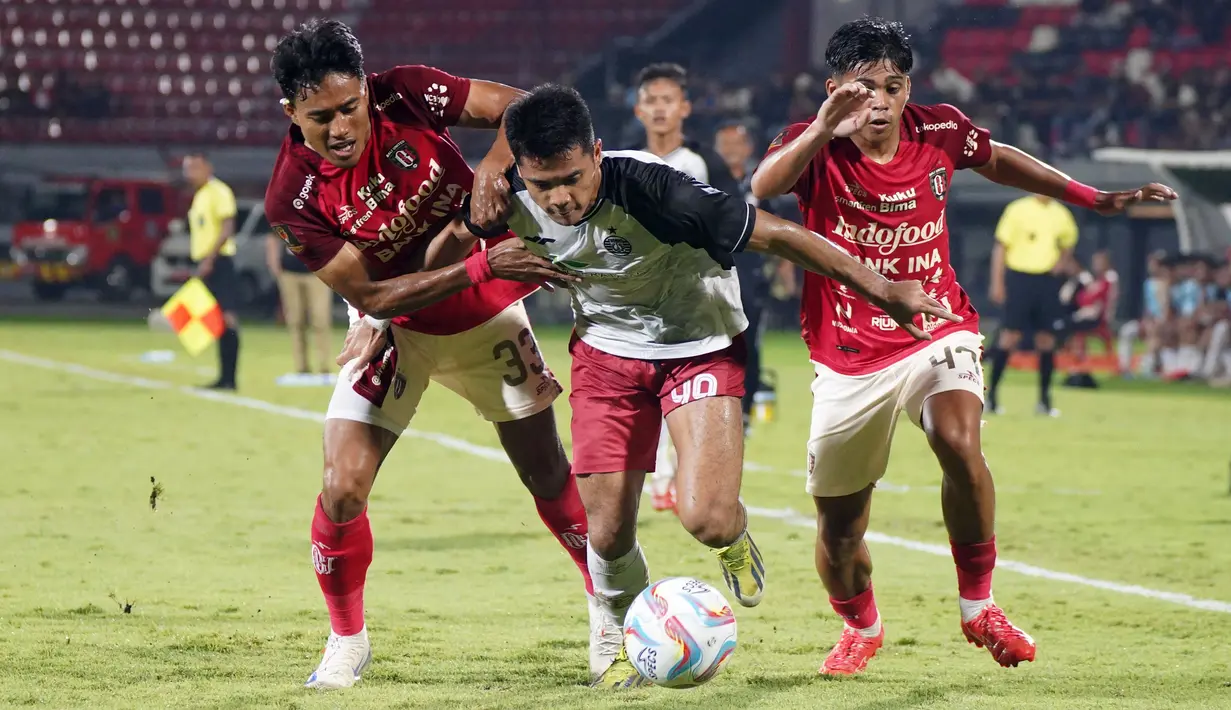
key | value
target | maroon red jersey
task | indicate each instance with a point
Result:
(892, 218)
(410, 181)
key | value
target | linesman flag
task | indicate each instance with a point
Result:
(194, 315)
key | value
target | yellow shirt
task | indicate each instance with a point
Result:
(211, 206)
(1035, 234)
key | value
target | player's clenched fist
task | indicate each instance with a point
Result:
(903, 300)
(511, 260)
(848, 109)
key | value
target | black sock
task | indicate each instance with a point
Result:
(1000, 361)
(1047, 363)
(228, 355)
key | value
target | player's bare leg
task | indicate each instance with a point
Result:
(845, 567)
(342, 545)
(709, 436)
(951, 421)
(616, 562)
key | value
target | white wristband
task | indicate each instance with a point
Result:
(352, 314)
(376, 323)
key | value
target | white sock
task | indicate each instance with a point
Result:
(618, 582)
(972, 607)
(872, 631)
(664, 465)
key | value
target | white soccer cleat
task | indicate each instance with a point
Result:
(345, 659)
(606, 639)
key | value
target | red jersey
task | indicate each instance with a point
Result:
(892, 218)
(409, 183)
(1094, 297)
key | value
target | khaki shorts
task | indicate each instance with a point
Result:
(495, 366)
(853, 416)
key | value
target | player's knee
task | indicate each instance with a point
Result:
(839, 544)
(955, 442)
(1044, 341)
(1009, 339)
(344, 491)
(711, 525)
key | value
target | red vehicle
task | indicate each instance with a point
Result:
(99, 233)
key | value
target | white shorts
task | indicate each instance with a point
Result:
(853, 416)
(495, 366)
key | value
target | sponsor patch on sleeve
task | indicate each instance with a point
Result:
(285, 234)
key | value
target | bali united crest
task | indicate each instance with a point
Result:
(938, 179)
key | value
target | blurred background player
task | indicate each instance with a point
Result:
(662, 341)
(365, 191)
(1034, 238)
(211, 227)
(1090, 298)
(874, 171)
(662, 107)
(307, 307)
(1156, 311)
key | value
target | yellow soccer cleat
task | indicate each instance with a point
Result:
(743, 570)
(620, 674)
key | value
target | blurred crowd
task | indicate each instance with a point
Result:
(1185, 326)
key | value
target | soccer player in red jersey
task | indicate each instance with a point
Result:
(367, 190)
(872, 173)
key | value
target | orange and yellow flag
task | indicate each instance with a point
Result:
(194, 315)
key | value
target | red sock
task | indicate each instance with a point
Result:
(565, 517)
(974, 568)
(859, 611)
(341, 554)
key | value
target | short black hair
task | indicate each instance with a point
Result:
(548, 122)
(869, 40)
(316, 49)
(663, 70)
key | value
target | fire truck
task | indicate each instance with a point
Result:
(95, 233)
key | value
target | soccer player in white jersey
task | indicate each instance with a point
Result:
(662, 106)
(873, 171)
(658, 330)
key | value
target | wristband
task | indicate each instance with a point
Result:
(478, 268)
(377, 323)
(352, 314)
(1076, 193)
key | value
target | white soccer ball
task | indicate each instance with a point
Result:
(679, 632)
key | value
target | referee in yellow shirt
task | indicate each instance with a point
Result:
(211, 224)
(1033, 238)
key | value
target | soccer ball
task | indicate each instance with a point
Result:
(679, 632)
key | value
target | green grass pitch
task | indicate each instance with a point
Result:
(470, 602)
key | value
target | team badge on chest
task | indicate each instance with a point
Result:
(939, 180)
(403, 156)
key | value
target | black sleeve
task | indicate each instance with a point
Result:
(720, 174)
(677, 209)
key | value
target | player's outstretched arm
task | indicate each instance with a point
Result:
(485, 106)
(388, 298)
(844, 112)
(1014, 168)
(903, 300)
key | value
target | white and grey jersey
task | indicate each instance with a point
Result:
(690, 162)
(654, 253)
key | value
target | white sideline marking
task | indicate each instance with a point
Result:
(785, 515)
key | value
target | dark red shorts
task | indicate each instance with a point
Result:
(619, 403)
